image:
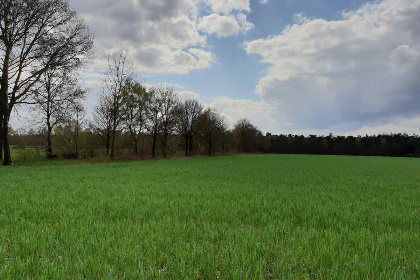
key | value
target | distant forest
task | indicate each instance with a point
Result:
(394, 145)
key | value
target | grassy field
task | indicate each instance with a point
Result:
(242, 217)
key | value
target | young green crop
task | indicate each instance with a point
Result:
(242, 217)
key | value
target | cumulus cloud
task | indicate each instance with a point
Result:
(360, 70)
(186, 94)
(259, 113)
(225, 25)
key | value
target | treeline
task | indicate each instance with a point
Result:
(85, 140)
(394, 145)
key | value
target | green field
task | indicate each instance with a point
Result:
(241, 217)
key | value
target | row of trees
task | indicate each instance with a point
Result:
(158, 113)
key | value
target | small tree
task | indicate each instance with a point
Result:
(154, 115)
(187, 116)
(248, 135)
(169, 105)
(55, 97)
(78, 118)
(212, 127)
(102, 121)
(134, 107)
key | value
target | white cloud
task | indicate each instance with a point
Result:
(244, 23)
(402, 125)
(225, 25)
(347, 73)
(260, 114)
(186, 94)
(222, 26)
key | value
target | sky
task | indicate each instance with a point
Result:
(289, 66)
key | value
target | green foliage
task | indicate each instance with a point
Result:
(242, 217)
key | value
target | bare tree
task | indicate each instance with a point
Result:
(78, 118)
(212, 127)
(35, 36)
(117, 76)
(169, 105)
(134, 106)
(154, 115)
(102, 121)
(187, 114)
(55, 97)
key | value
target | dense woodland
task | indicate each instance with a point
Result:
(43, 46)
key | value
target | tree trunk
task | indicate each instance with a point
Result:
(114, 132)
(190, 148)
(154, 144)
(5, 111)
(165, 140)
(49, 144)
(136, 150)
(7, 158)
(113, 145)
(210, 149)
(186, 146)
(108, 143)
(1, 131)
(77, 135)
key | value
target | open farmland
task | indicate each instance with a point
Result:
(241, 217)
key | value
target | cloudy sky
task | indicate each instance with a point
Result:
(290, 66)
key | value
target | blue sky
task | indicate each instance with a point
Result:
(289, 66)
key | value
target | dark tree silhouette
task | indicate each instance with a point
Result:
(187, 116)
(212, 127)
(102, 121)
(134, 106)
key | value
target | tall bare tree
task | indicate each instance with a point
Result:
(134, 106)
(169, 105)
(187, 114)
(36, 35)
(154, 115)
(55, 97)
(116, 77)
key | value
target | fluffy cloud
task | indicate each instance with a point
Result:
(225, 25)
(259, 113)
(186, 94)
(360, 70)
